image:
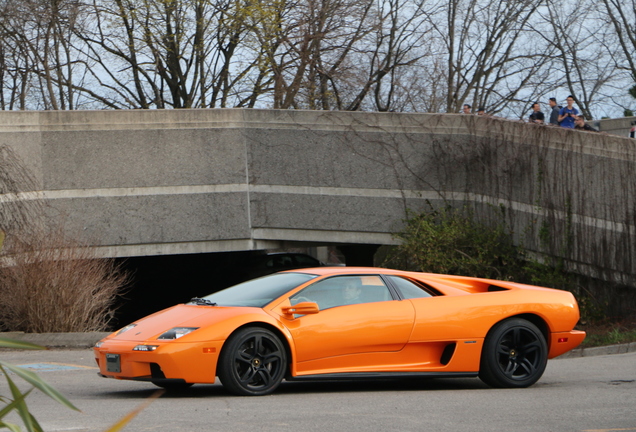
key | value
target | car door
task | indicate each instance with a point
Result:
(347, 331)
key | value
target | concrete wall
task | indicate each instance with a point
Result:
(187, 181)
(618, 126)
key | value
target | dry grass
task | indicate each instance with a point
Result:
(609, 333)
(48, 282)
(55, 285)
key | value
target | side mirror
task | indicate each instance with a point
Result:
(304, 308)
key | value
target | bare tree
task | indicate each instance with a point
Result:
(342, 54)
(116, 43)
(40, 33)
(307, 45)
(340, 27)
(422, 87)
(485, 44)
(581, 63)
(15, 61)
(175, 53)
(620, 15)
(398, 43)
(317, 54)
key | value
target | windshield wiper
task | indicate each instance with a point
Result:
(202, 301)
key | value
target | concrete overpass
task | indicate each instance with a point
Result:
(143, 183)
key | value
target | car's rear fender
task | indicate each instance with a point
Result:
(557, 342)
(541, 324)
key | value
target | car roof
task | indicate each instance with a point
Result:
(449, 282)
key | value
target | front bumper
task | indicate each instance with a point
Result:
(192, 362)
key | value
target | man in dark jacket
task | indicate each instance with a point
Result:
(579, 124)
(536, 116)
(554, 113)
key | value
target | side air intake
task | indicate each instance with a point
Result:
(447, 354)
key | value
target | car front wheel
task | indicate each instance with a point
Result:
(253, 362)
(514, 355)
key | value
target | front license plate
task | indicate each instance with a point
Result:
(113, 363)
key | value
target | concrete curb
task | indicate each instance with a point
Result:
(58, 340)
(88, 340)
(602, 350)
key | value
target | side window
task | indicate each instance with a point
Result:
(409, 289)
(344, 290)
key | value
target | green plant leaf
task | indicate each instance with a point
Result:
(13, 404)
(36, 425)
(33, 379)
(12, 427)
(21, 406)
(14, 344)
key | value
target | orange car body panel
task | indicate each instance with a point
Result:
(390, 336)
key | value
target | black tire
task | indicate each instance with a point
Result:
(253, 362)
(514, 355)
(173, 386)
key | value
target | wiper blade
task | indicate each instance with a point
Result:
(202, 301)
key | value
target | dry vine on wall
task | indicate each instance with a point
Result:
(567, 195)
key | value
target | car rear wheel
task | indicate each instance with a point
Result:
(515, 354)
(252, 362)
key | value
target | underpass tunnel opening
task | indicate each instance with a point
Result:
(159, 282)
(359, 255)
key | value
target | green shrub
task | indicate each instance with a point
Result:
(452, 241)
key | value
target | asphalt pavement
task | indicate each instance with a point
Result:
(584, 394)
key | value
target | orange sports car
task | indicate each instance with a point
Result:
(348, 323)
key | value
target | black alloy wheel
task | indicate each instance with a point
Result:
(253, 362)
(514, 355)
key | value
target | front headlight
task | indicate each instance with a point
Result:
(145, 347)
(177, 332)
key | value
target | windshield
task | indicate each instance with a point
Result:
(259, 292)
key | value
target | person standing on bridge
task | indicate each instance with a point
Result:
(536, 116)
(466, 109)
(568, 114)
(580, 124)
(554, 112)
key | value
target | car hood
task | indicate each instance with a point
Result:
(213, 322)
